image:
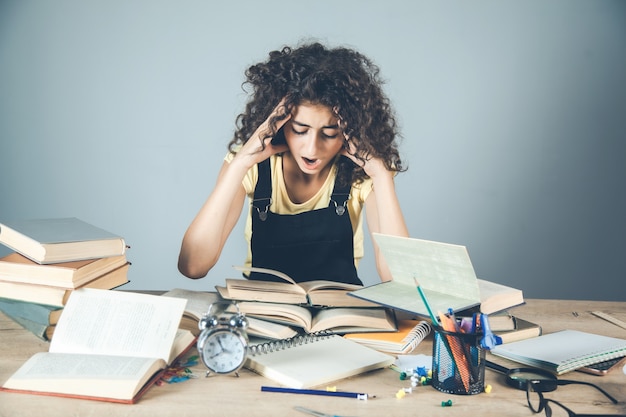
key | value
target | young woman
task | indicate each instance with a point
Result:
(316, 144)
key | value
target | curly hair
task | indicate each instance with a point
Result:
(342, 79)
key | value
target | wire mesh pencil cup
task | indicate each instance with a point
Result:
(458, 362)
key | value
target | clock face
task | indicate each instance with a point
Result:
(223, 351)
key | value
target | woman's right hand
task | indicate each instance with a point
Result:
(258, 147)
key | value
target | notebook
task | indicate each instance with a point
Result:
(312, 360)
(563, 351)
(410, 333)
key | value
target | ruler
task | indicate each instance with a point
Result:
(609, 318)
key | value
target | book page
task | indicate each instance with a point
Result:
(266, 271)
(198, 302)
(118, 323)
(328, 285)
(497, 297)
(236, 286)
(367, 318)
(90, 375)
(438, 267)
(279, 313)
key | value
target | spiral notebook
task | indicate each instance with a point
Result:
(563, 351)
(409, 335)
(313, 360)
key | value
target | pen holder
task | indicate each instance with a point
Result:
(458, 362)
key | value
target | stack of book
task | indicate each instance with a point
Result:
(52, 258)
(307, 307)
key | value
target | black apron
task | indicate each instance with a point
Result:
(308, 246)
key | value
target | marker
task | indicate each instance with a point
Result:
(346, 394)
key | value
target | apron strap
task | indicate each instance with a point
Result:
(263, 190)
(339, 198)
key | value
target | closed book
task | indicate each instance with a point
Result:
(41, 330)
(60, 240)
(18, 268)
(39, 313)
(524, 329)
(57, 296)
(562, 351)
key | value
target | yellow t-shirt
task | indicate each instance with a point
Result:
(281, 204)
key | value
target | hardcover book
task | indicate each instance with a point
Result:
(444, 272)
(333, 319)
(58, 296)
(18, 268)
(108, 346)
(311, 293)
(60, 240)
(198, 303)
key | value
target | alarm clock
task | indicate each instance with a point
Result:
(223, 341)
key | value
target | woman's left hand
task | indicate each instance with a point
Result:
(372, 166)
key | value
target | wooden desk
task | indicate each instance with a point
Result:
(227, 395)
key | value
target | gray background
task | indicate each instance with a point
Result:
(512, 113)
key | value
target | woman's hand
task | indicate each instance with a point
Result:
(373, 167)
(258, 148)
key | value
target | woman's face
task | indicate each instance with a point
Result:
(313, 136)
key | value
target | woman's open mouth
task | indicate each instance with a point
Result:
(311, 163)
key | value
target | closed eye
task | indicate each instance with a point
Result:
(298, 132)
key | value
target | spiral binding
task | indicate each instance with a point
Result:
(418, 334)
(282, 344)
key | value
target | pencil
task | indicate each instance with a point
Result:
(346, 394)
(425, 301)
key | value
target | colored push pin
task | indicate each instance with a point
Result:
(488, 388)
(400, 394)
(446, 403)
(421, 371)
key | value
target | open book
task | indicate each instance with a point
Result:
(108, 346)
(311, 320)
(198, 303)
(313, 293)
(445, 274)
